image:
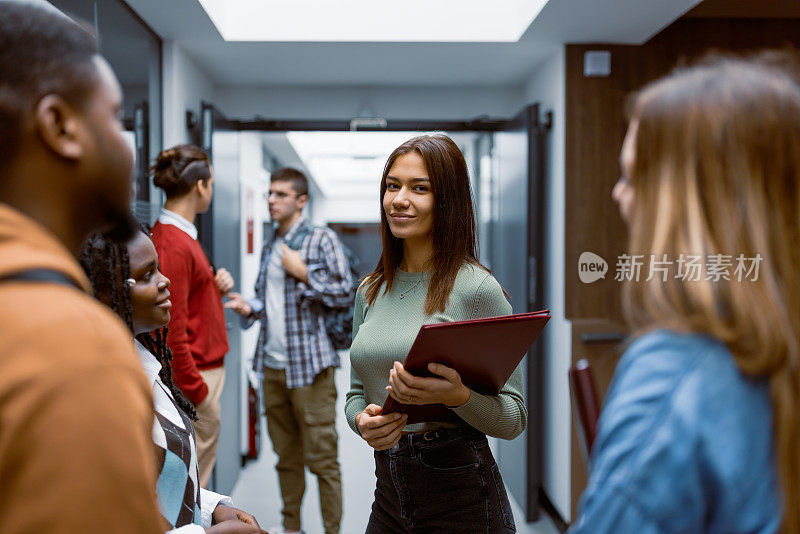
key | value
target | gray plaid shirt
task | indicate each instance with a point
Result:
(329, 282)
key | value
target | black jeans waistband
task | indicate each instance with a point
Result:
(433, 437)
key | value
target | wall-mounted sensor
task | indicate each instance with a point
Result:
(597, 63)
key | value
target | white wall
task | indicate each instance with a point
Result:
(185, 85)
(254, 182)
(444, 103)
(547, 85)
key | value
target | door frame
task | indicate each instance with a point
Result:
(538, 126)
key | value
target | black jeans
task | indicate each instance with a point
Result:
(441, 481)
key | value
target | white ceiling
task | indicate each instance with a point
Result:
(405, 64)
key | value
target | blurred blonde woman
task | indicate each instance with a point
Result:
(699, 432)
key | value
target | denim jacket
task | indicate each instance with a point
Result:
(684, 445)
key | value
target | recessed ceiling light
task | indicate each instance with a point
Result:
(373, 20)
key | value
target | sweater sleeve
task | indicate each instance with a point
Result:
(503, 415)
(176, 264)
(355, 401)
(209, 501)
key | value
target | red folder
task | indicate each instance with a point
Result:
(484, 352)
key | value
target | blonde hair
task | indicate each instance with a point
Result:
(716, 170)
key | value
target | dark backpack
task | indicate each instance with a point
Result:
(338, 321)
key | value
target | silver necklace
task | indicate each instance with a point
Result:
(404, 293)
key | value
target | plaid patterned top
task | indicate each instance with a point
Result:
(329, 282)
(184, 504)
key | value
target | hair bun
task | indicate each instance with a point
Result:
(166, 157)
(174, 170)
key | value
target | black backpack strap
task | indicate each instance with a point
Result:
(41, 275)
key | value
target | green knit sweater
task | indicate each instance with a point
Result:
(384, 332)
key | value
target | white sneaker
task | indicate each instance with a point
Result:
(280, 530)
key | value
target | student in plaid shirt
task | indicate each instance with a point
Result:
(300, 265)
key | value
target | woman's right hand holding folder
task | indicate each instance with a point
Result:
(445, 387)
(381, 432)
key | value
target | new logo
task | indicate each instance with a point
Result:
(591, 267)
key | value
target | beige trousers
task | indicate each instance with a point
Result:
(301, 423)
(206, 428)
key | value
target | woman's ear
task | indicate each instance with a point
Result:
(202, 187)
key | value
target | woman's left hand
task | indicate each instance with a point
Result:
(224, 512)
(409, 389)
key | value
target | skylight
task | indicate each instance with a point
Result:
(373, 20)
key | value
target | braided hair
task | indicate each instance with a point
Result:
(107, 264)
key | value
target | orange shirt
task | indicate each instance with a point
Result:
(76, 453)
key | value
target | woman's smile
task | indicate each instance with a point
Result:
(402, 217)
(164, 303)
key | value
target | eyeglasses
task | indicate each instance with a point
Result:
(280, 194)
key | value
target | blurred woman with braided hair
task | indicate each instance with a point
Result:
(126, 278)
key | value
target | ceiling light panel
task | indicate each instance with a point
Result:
(372, 20)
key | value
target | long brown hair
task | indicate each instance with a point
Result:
(454, 242)
(717, 171)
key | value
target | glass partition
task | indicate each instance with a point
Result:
(134, 52)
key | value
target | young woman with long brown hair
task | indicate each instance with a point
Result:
(700, 429)
(429, 273)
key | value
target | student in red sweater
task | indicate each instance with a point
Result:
(197, 334)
